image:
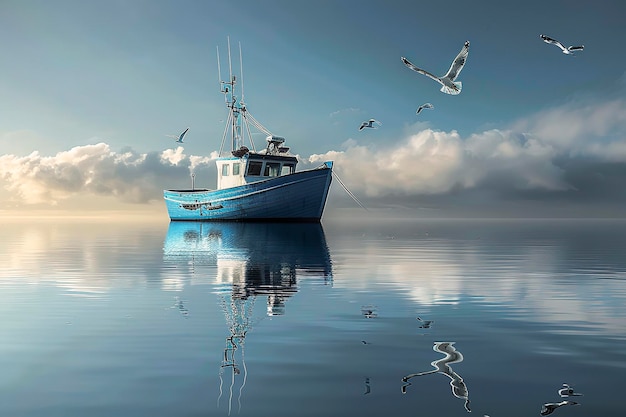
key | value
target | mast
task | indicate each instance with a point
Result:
(239, 118)
(232, 102)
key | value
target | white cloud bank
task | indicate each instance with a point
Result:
(574, 150)
(94, 170)
(432, 162)
(531, 155)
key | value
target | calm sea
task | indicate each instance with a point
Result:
(347, 318)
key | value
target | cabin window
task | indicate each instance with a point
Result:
(254, 167)
(225, 170)
(287, 169)
(272, 169)
(236, 166)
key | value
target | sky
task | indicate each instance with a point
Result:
(89, 90)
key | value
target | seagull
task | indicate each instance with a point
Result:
(425, 323)
(424, 106)
(568, 391)
(370, 124)
(178, 138)
(548, 408)
(448, 83)
(567, 51)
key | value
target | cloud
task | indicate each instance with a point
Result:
(339, 116)
(560, 152)
(347, 110)
(574, 153)
(173, 156)
(583, 128)
(433, 162)
(95, 170)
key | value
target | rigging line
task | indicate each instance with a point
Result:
(230, 396)
(241, 388)
(258, 125)
(250, 136)
(246, 124)
(245, 373)
(252, 120)
(230, 115)
(349, 192)
(221, 373)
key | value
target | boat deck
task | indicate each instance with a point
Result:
(195, 190)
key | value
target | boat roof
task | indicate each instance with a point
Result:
(264, 157)
(261, 157)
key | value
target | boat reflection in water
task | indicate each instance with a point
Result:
(442, 366)
(252, 260)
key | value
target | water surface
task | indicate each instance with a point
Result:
(186, 319)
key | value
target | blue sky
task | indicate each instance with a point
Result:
(90, 89)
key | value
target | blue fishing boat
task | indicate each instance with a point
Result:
(251, 185)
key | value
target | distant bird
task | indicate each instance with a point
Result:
(178, 138)
(370, 124)
(425, 323)
(567, 391)
(424, 106)
(448, 83)
(548, 408)
(568, 51)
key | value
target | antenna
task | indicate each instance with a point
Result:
(230, 66)
(223, 89)
(241, 71)
(219, 71)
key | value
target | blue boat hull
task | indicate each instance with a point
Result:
(298, 197)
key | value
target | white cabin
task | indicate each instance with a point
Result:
(252, 167)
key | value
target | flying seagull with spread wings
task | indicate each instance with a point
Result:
(370, 123)
(178, 138)
(424, 106)
(568, 51)
(448, 83)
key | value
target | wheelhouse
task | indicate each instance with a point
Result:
(253, 167)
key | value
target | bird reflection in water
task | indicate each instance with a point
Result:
(548, 408)
(181, 306)
(565, 391)
(425, 324)
(369, 311)
(442, 366)
(368, 388)
(568, 391)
